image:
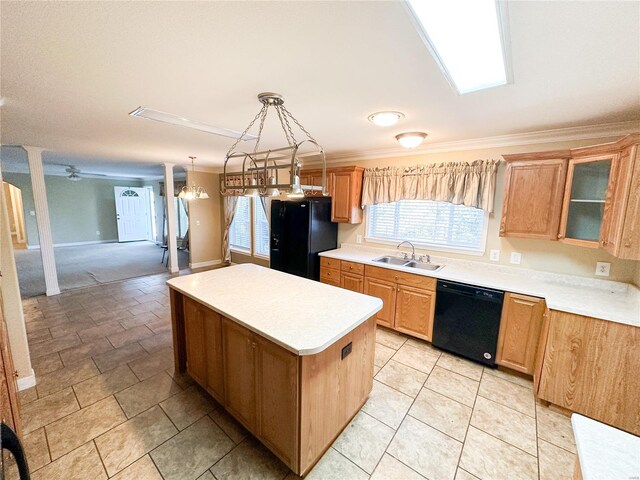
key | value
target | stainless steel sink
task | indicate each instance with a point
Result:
(423, 266)
(391, 260)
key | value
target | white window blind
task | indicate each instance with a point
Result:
(261, 230)
(430, 224)
(240, 231)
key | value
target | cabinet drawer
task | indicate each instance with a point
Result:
(400, 277)
(352, 267)
(326, 262)
(330, 276)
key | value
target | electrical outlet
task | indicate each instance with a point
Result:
(516, 258)
(494, 255)
(98, 232)
(358, 238)
(197, 223)
(32, 213)
(602, 269)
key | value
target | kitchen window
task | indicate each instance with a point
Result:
(249, 232)
(431, 225)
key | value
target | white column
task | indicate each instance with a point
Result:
(34, 155)
(171, 218)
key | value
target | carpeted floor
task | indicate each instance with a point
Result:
(86, 265)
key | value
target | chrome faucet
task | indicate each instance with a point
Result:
(413, 249)
(422, 257)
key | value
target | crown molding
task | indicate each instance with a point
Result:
(530, 138)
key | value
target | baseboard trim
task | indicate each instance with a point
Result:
(27, 382)
(73, 244)
(209, 263)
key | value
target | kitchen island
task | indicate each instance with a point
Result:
(291, 359)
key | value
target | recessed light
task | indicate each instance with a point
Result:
(385, 119)
(411, 139)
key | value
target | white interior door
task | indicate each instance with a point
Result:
(132, 213)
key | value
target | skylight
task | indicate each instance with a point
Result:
(466, 39)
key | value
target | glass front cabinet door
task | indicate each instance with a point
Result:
(587, 196)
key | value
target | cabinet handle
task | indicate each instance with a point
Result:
(398, 289)
(253, 344)
(627, 242)
(603, 243)
(560, 236)
(396, 277)
(351, 268)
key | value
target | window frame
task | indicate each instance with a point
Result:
(476, 252)
(254, 202)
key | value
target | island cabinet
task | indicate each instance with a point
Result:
(520, 326)
(591, 366)
(344, 185)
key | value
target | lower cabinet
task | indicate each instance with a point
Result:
(415, 309)
(385, 291)
(352, 281)
(520, 327)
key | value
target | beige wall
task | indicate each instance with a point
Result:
(536, 254)
(205, 220)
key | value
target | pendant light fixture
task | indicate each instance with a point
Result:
(256, 173)
(193, 192)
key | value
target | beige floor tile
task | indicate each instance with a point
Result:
(489, 458)
(154, 343)
(144, 307)
(453, 385)
(46, 364)
(391, 469)
(460, 365)
(383, 354)
(39, 336)
(206, 476)
(100, 331)
(401, 377)
(78, 428)
(162, 325)
(442, 413)
(71, 327)
(423, 345)
(131, 321)
(54, 345)
(66, 377)
(506, 424)
(334, 466)
(113, 358)
(508, 394)
(137, 398)
(555, 428)
(143, 469)
(81, 352)
(464, 475)
(182, 379)
(204, 441)
(28, 395)
(229, 425)
(83, 463)
(36, 449)
(157, 362)
(389, 338)
(555, 463)
(387, 405)
(188, 406)
(129, 336)
(514, 377)
(422, 359)
(364, 441)
(48, 409)
(426, 450)
(126, 443)
(250, 459)
(101, 386)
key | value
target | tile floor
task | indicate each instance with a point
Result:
(109, 405)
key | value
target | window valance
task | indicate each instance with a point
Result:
(461, 183)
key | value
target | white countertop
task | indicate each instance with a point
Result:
(606, 300)
(301, 315)
(605, 452)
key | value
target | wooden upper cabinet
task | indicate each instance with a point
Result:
(415, 308)
(195, 341)
(520, 325)
(385, 291)
(533, 192)
(344, 185)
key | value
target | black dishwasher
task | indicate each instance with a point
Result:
(467, 320)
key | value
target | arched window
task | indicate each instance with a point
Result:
(128, 193)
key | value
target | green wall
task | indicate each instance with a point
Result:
(76, 209)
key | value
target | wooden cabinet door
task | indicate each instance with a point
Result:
(519, 336)
(195, 341)
(341, 198)
(213, 345)
(385, 291)
(352, 282)
(630, 236)
(533, 193)
(415, 308)
(9, 406)
(239, 347)
(316, 180)
(277, 399)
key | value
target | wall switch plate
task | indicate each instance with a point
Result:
(358, 238)
(197, 223)
(516, 258)
(32, 213)
(98, 232)
(494, 255)
(602, 269)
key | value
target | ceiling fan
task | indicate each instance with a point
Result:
(74, 173)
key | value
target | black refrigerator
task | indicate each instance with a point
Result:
(299, 231)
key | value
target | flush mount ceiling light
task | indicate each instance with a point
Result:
(385, 119)
(411, 139)
(468, 40)
(150, 114)
(193, 191)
